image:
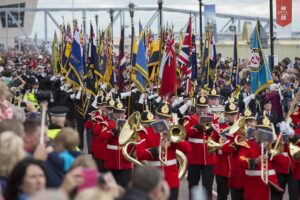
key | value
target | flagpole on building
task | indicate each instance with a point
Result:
(271, 36)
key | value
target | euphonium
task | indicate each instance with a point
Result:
(128, 136)
(294, 151)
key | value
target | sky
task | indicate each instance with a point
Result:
(256, 8)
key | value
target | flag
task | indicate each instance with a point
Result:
(235, 71)
(122, 62)
(209, 70)
(140, 70)
(168, 68)
(67, 49)
(260, 74)
(192, 69)
(93, 64)
(184, 55)
(76, 63)
(153, 59)
(108, 60)
(55, 56)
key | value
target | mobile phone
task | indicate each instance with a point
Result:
(90, 178)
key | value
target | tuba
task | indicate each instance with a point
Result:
(240, 127)
(128, 136)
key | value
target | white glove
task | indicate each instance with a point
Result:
(158, 99)
(94, 104)
(177, 101)
(248, 99)
(152, 96)
(141, 100)
(78, 95)
(134, 90)
(125, 94)
(62, 88)
(103, 86)
(285, 127)
(72, 96)
(53, 78)
(183, 108)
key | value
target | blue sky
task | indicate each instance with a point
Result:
(256, 8)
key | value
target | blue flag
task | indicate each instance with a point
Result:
(76, 63)
(234, 74)
(261, 76)
(90, 78)
(140, 68)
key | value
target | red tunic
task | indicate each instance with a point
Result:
(237, 173)
(113, 158)
(255, 188)
(197, 140)
(147, 149)
(222, 166)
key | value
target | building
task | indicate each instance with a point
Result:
(10, 20)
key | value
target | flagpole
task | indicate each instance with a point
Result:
(271, 36)
(200, 27)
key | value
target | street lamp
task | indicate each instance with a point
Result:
(131, 12)
(111, 14)
(160, 3)
(200, 27)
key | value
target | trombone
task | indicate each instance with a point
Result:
(264, 171)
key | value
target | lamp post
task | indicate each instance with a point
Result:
(160, 3)
(131, 12)
(200, 28)
(271, 36)
(111, 14)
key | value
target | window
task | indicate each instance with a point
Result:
(19, 16)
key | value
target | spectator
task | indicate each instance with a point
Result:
(273, 96)
(12, 125)
(50, 195)
(147, 183)
(26, 179)
(11, 151)
(6, 111)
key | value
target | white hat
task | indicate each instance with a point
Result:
(40, 57)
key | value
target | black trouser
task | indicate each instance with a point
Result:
(194, 174)
(100, 165)
(89, 136)
(122, 177)
(237, 194)
(80, 129)
(222, 187)
(288, 179)
(275, 194)
(173, 194)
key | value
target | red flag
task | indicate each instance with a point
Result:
(284, 12)
(168, 69)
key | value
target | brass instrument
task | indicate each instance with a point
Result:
(175, 134)
(276, 150)
(128, 136)
(264, 171)
(294, 151)
(213, 146)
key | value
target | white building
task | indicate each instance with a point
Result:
(10, 31)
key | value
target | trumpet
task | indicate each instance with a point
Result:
(213, 146)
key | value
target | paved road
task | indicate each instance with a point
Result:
(184, 194)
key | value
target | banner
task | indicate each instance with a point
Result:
(210, 18)
(284, 18)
